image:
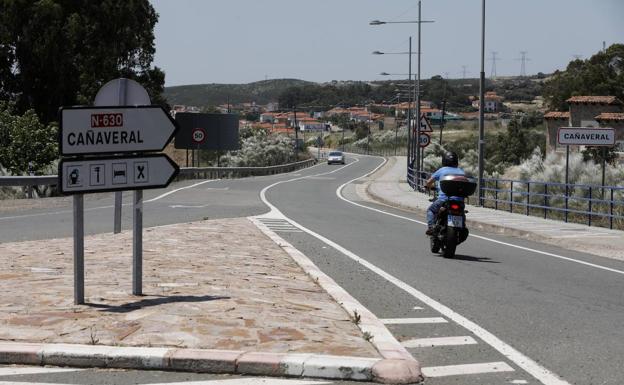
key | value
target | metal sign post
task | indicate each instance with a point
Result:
(137, 243)
(583, 136)
(79, 249)
(88, 131)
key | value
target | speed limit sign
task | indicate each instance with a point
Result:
(198, 135)
(425, 139)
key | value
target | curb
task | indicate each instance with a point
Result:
(193, 360)
(397, 366)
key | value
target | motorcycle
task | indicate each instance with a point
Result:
(450, 224)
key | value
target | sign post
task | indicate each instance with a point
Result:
(583, 136)
(119, 92)
(113, 130)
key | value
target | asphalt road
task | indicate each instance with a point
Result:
(566, 317)
(518, 314)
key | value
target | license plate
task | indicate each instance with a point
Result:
(455, 221)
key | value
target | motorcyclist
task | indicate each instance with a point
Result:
(450, 164)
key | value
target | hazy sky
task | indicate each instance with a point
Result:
(241, 41)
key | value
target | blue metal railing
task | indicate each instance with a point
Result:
(581, 203)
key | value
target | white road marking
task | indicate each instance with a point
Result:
(180, 189)
(417, 308)
(519, 382)
(408, 321)
(248, 381)
(18, 370)
(455, 370)
(438, 341)
(539, 372)
(339, 194)
(233, 381)
(188, 206)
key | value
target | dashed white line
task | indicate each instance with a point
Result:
(439, 341)
(408, 321)
(455, 370)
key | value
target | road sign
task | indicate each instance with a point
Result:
(425, 126)
(586, 136)
(425, 139)
(198, 135)
(116, 173)
(221, 131)
(99, 130)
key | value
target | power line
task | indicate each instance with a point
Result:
(493, 59)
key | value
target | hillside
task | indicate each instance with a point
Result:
(215, 94)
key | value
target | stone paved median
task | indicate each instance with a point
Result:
(218, 284)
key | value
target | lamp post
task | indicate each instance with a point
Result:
(417, 80)
(481, 106)
(409, 100)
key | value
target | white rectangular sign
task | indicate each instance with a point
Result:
(119, 173)
(586, 136)
(98, 130)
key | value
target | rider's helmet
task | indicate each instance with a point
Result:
(449, 159)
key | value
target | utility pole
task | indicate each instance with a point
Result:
(463, 72)
(442, 121)
(296, 134)
(481, 105)
(417, 120)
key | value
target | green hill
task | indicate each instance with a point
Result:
(214, 94)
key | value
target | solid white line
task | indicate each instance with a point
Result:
(408, 321)
(247, 381)
(17, 370)
(339, 194)
(438, 341)
(455, 370)
(539, 372)
(417, 308)
(179, 189)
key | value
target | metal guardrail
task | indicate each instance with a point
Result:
(206, 172)
(578, 203)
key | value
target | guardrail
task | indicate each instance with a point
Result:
(185, 172)
(593, 205)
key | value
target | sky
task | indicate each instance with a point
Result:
(242, 41)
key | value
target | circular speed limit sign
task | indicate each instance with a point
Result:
(198, 135)
(425, 139)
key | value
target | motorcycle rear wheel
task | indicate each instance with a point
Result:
(451, 243)
(434, 243)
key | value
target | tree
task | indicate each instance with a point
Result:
(602, 74)
(60, 52)
(24, 139)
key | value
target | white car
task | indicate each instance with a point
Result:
(335, 157)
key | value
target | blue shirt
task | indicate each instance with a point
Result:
(442, 172)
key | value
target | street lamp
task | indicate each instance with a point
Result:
(419, 22)
(409, 100)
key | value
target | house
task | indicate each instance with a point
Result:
(493, 102)
(587, 111)
(554, 120)
(584, 109)
(614, 120)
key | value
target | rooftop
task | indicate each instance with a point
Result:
(609, 116)
(594, 100)
(557, 115)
